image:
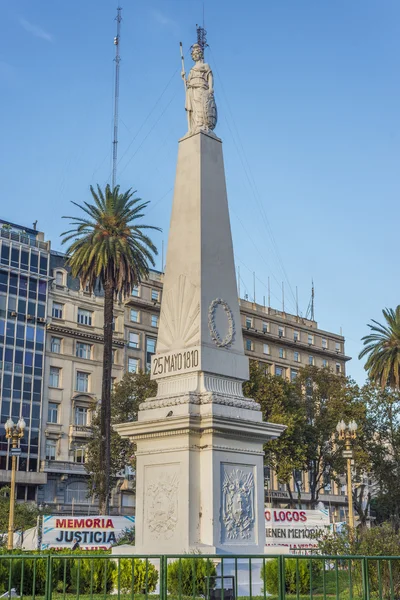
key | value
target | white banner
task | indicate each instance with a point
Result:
(294, 529)
(87, 533)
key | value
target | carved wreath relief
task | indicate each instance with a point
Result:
(162, 504)
(238, 514)
(226, 341)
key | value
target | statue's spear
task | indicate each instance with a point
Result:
(183, 72)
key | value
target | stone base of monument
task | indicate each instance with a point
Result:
(199, 468)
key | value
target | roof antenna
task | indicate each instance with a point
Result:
(34, 224)
(117, 59)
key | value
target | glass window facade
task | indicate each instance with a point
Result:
(24, 269)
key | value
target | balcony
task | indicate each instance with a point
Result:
(80, 431)
(59, 466)
(23, 238)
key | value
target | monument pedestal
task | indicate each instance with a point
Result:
(200, 477)
(199, 459)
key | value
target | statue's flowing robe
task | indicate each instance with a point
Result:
(198, 98)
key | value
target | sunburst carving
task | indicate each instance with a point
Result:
(180, 317)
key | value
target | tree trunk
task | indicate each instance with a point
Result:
(105, 412)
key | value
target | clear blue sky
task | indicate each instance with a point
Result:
(308, 93)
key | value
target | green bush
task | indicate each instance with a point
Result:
(187, 576)
(92, 574)
(145, 577)
(297, 575)
(29, 573)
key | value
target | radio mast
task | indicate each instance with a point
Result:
(117, 59)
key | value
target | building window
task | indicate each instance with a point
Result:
(133, 340)
(154, 320)
(113, 382)
(265, 327)
(51, 446)
(282, 353)
(82, 381)
(155, 295)
(77, 492)
(135, 291)
(59, 278)
(134, 315)
(150, 350)
(281, 331)
(249, 345)
(279, 371)
(310, 338)
(296, 356)
(52, 413)
(310, 360)
(133, 365)
(57, 310)
(337, 346)
(338, 368)
(324, 363)
(84, 317)
(83, 350)
(266, 348)
(55, 377)
(56, 345)
(249, 322)
(80, 455)
(113, 356)
(296, 336)
(81, 416)
(324, 343)
(293, 374)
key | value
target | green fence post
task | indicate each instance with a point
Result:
(281, 577)
(365, 578)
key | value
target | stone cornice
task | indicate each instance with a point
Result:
(81, 334)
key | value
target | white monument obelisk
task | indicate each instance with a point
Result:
(199, 459)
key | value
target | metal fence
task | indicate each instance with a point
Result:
(97, 576)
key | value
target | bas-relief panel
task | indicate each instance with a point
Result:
(238, 511)
(161, 489)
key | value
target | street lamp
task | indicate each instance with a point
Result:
(13, 433)
(348, 433)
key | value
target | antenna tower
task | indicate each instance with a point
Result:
(310, 309)
(117, 60)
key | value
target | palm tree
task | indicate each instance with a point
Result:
(383, 348)
(110, 250)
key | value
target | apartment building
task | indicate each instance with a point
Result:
(24, 283)
(72, 387)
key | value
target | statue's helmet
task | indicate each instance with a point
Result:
(197, 52)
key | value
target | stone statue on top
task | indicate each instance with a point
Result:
(199, 87)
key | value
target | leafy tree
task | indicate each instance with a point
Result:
(310, 407)
(109, 248)
(382, 433)
(325, 398)
(128, 394)
(382, 346)
(25, 514)
(279, 404)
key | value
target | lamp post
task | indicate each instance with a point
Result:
(13, 433)
(348, 433)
